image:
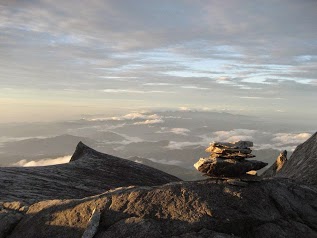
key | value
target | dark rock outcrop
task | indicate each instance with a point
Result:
(277, 166)
(88, 173)
(302, 165)
(209, 208)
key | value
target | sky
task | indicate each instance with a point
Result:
(64, 59)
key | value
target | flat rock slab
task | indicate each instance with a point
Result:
(218, 150)
(237, 144)
(227, 167)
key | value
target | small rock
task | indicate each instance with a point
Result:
(93, 224)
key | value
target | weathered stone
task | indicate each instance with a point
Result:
(227, 167)
(277, 166)
(238, 156)
(10, 215)
(93, 224)
(252, 172)
(237, 144)
(219, 150)
(269, 208)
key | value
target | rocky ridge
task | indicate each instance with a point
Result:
(88, 173)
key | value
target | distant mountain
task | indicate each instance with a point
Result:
(89, 172)
(303, 162)
(105, 136)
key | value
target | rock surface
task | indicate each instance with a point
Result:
(277, 166)
(302, 165)
(89, 173)
(210, 208)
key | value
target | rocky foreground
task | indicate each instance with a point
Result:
(269, 207)
(209, 208)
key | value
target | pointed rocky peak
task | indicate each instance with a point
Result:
(302, 165)
(81, 150)
(277, 166)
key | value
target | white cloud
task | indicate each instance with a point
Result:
(290, 138)
(233, 135)
(249, 97)
(184, 108)
(194, 87)
(163, 161)
(133, 91)
(129, 116)
(149, 122)
(175, 145)
(43, 162)
(178, 131)
(158, 84)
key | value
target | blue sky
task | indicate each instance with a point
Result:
(62, 59)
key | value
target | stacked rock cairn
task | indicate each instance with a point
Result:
(229, 160)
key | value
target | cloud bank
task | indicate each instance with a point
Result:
(43, 162)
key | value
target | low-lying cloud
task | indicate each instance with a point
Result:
(43, 162)
(290, 139)
(149, 122)
(129, 116)
(177, 131)
(233, 135)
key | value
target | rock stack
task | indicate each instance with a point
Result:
(229, 160)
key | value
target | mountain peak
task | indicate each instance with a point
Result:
(81, 149)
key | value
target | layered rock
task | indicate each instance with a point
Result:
(229, 160)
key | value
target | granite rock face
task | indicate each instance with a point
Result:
(88, 173)
(209, 208)
(303, 162)
(229, 160)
